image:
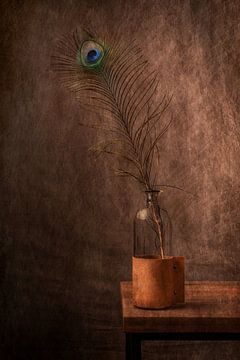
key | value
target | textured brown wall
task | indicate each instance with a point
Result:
(66, 220)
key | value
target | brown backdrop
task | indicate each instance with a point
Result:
(66, 221)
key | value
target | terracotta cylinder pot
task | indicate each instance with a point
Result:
(157, 283)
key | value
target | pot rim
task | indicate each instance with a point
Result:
(152, 257)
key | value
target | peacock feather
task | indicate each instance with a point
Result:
(112, 77)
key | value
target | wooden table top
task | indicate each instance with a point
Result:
(209, 307)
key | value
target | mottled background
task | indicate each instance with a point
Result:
(66, 221)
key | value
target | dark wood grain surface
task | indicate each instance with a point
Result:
(210, 307)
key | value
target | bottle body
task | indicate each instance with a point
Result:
(148, 228)
(157, 280)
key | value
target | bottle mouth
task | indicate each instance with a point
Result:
(151, 191)
(152, 195)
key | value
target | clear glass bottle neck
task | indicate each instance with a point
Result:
(152, 197)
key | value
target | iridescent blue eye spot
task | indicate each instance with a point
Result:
(90, 54)
(93, 55)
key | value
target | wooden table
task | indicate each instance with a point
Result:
(211, 312)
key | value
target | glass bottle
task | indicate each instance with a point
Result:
(149, 231)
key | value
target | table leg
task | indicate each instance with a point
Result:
(133, 347)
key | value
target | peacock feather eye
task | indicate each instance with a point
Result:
(91, 54)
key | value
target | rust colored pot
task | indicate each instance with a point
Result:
(157, 283)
